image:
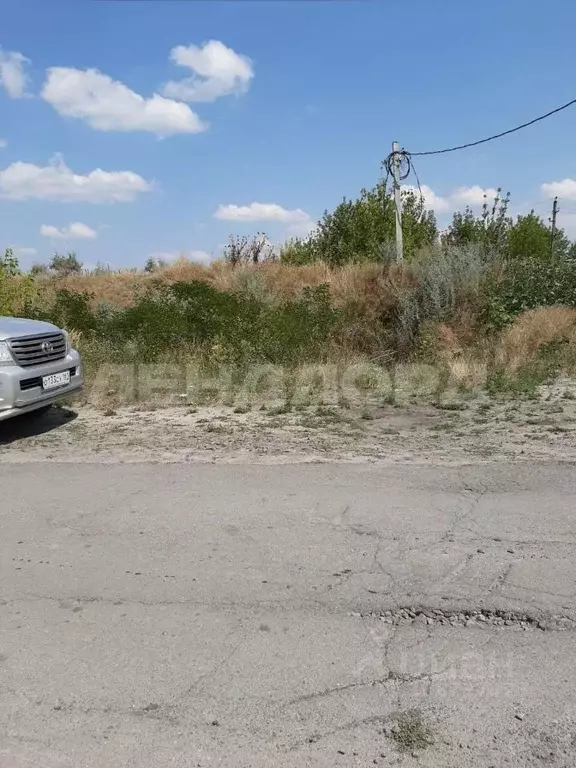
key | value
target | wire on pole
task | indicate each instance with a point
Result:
(496, 135)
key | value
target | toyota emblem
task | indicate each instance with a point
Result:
(47, 347)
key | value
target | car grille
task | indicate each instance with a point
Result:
(36, 350)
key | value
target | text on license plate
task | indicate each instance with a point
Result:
(56, 380)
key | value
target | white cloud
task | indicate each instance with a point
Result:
(302, 228)
(565, 188)
(473, 195)
(55, 181)
(261, 212)
(567, 221)
(109, 105)
(217, 71)
(432, 200)
(3, 143)
(12, 74)
(300, 223)
(461, 197)
(75, 231)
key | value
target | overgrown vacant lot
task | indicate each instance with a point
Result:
(459, 351)
(445, 306)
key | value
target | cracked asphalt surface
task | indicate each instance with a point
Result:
(158, 615)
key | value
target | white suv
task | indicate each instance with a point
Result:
(37, 366)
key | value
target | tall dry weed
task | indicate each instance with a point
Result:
(359, 283)
(531, 331)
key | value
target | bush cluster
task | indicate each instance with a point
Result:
(474, 293)
(197, 316)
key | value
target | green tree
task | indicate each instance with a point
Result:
(490, 229)
(531, 238)
(364, 229)
(9, 266)
(38, 269)
(66, 265)
(16, 290)
(298, 251)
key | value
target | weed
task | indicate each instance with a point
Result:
(330, 414)
(526, 380)
(207, 396)
(411, 733)
(451, 406)
(218, 429)
(276, 423)
(552, 408)
(308, 421)
(444, 426)
(442, 384)
(280, 410)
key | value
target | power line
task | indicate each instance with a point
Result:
(496, 135)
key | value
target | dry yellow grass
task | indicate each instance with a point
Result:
(531, 330)
(366, 284)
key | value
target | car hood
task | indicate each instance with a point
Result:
(12, 327)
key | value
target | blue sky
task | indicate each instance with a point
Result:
(266, 114)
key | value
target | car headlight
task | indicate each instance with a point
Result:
(5, 354)
(68, 342)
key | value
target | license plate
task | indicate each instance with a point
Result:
(56, 380)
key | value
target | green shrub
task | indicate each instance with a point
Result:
(298, 330)
(526, 284)
(233, 328)
(444, 284)
(542, 369)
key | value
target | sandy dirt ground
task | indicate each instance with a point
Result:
(456, 432)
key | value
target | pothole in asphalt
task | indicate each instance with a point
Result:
(474, 618)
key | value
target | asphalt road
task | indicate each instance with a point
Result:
(199, 615)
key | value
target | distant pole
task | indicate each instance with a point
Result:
(397, 202)
(553, 228)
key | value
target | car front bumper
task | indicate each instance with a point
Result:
(21, 388)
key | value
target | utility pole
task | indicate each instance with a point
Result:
(553, 228)
(397, 202)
